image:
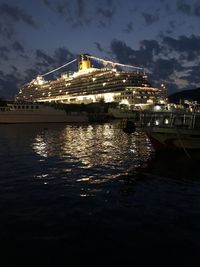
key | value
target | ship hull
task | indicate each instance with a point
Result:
(7, 119)
(30, 113)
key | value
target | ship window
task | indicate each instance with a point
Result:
(27, 107)
(31, 107)
(15, 106)
(22, 107)
(37, 107)
(19, 107)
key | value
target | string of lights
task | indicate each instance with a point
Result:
(59, 67)
(114, 63)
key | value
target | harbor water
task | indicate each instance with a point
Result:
(83, 195)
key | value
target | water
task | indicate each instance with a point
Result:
(74, 194)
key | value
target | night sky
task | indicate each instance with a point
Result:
(160, 35)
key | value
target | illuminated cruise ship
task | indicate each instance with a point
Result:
(89, 85)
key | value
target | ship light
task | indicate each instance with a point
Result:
(124, 81)
(104, 84)
(166, 121)
(157, 122)
(117, 74)
(157, 108)
(60, 91)
(108, 98)
(94, 79)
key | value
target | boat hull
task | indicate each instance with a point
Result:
(163, 139)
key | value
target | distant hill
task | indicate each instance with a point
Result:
(191, 95)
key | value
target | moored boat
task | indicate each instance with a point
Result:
(174, 130)
(38, 113)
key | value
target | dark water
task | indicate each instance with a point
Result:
(84, 195)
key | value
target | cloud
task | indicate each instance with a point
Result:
(188, 9)
(166, 61)
(183, 7)
(16, 14)
(197, 9)
(143, 57)
(106, 13)
(47, 2)
(62, 55)
(165, 67)
(43, 59)
(99, 47)
(189, 47)
(8, 85)
(149, 18)
(81, 8)
(18, 47)
(4, 52)
(6, 30)
(129, 27)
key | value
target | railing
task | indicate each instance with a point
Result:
(169, 120)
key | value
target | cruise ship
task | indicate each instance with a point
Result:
(114, 82)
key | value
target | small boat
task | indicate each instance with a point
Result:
(173, 130)
(38, 113)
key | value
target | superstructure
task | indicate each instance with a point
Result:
(90, 84)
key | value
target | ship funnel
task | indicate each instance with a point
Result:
(84, 62)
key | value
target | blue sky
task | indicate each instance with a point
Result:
(160, 35)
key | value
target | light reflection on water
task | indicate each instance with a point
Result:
(94, 152)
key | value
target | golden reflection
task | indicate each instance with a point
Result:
(40, 146)
(104, 147)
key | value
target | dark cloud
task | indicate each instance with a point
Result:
(197, 9)
(14, 68)
(172, 24)
(183, 7)
(129, 27)
(149, 18)
(63, 8)
(106, 13)
(188, 9)
(47, 2)
(4, 52)
(141, 58)
(62, 55)
(163, 65)
(122, 52)
(8, 85)
(16, 14)
(81, 8)
(6, 30)
(152, 46)
(99, 47)
(183, 43)
(43, 59)
(30, 74)
(18, 47)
